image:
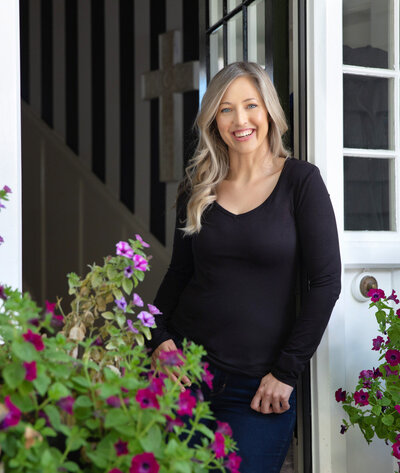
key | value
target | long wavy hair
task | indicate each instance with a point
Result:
(210, 162)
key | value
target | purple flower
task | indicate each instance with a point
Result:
(367, 384)
(121, 448)
(139, 263)
(2, 293)
(218, 445)
(124, 249)
(131, 327)
(144, 463)
(128, 271)
(30, 370)
(139, 238)
(7, 189)
(66, 404)
(1, 240)
(199, 395)
(396, 450)
(340, 395)
(343, 429)
(376, 294)
(137, 300)
(361, 397)
(379, 394)
(389, 371)
(2, 206)
(393, 297)
(377, 342)
(35, 339)
(398, 313)
(121, 303)
(224, 428)
(186, 403)
(171, 358)
(153, 309)
(366, 374)
(13, 415)
(98, 342)
(115, 470)
(113, 401)
(146, 318)
(393, 357)
(146, 398)
(171, 422)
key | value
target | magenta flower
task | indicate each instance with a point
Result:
(396, 450)
(50, 307)
(186, 403)
(393, 357)
(389, 371)
(153, 309)
(171, 422)
(13, 415)
(340, 395)
(131, 327)
(113, 401)
(233, 462)
(121, 303)
(379, 394)
(115, 470)
(393, 297)
(377, 342)
(146, 318)
(224, 428)
(30, 370)
(361, 397)
(139, 238)
(343, 429)
(156, 386)
(171, 358)
(207, 376)
(7, 189)
(66, 404)
(218, 446)
(128, 271)
(2, 293)
(366, 374)
(124, 249)
(376, 294)
(35, 339)
(398, 313)
(137, 300)
(146, 398)
(121, 448)
(397, 407)
(144, 463)
(139, 262)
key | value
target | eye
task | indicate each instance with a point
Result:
(252, 105)
(223, 110)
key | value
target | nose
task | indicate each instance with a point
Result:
(241, 117)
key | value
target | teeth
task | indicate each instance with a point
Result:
(243, 133)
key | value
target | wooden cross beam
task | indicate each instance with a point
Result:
(168, 83)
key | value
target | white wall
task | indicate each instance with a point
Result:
(10, 150)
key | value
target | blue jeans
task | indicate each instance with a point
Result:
(263, 439)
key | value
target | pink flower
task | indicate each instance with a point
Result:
(30, 370)
(389, 371)
(379, 394)
(377, 342)
(153, 309)
(396, 450)
(144, 463)
(121, 303)
(3, 293)
(156, 386)
(393, 357)
(186, 403)
(35, 339)
(361, 397)
(146, 398)
(115, 401)
(397, 407)
(13, 415)
(171, 358)
(398, 313)
(139, 262)
(340, 395)
(146, 318)
(376, 294)
(224, 428)
(171, 422)
(218, 445)
(121, 448)
(207, 376)
(377, 373)
(366, 374)
(137, 300)
(7, 189)
(66, 404)
(131, 327)
(115, 470)
(233, 462)
(393, 297)
(139, 238)
(124, 249)
(50, 307)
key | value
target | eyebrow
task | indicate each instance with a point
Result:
(229, 103)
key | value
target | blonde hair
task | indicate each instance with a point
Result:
(210, 162)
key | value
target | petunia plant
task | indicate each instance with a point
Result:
(375, 404)
(77, 392)
(4, 196)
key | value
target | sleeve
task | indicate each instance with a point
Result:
(320, 253)
(178, 274)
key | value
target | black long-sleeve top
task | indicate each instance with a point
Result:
(231, 287)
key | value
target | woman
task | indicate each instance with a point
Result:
(252, 216)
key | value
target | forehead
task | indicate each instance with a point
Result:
(240, 89)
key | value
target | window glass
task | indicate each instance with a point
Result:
(256, 32)
(232, 4)
(215, 11)
(216, 51)
(235, 38)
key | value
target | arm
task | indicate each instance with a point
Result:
(178, 275)
(320, 253)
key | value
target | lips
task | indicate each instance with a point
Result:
(243, 132)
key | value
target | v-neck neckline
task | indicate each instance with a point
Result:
(223, 209)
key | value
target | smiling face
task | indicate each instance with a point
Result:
(242, 118)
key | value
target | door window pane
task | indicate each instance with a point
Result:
(215, 11)
(216, 51)
(367, 33)
(368, 112)
(368, 193)
(256, 32)
(232, 4)
(235, 38)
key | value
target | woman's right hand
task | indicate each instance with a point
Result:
(169, 345)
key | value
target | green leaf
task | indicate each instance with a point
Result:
(70, 466)
(83, 401)
(23, 350)
(206, 431)
(117, 293)
(388, 419)
(25, 403)
(127, 285)
(146, 332)
(58, 390)
(182, 466)
(112, 273)
(139, 274)
(81, 381)
(376, 410)
(14, 374)
(121, 319)
(140, 339)
(41, 383)
(48, 432)
(115, 417)
(108, 315)
(97, 280)
(171, 448)
(92, 424)
(380, 316)
(152, 441)
(54, 416)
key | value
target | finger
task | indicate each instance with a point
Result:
(174, 378)
(285, 405)
(255, 403)
(276, 405)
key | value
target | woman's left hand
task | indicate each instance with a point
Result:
(270, 394)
